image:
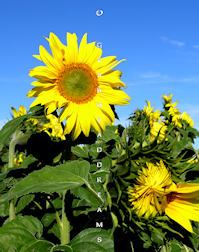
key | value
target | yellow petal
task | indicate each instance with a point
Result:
(84, 119)
(14, 111)
(72, 46)
(37, 57)
(112, 78)
(66, 112)
(70, 122)
(44, 84)
(186, 210)
(83, 49)
(40, 71)
(176, 215)
(104, 62)
(105, 107)
(22, 110)
(96, 54)
(113, 96)
(58, 49)
(48, 59)
(76, 130)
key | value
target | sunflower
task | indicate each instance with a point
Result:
(155, 122)
(156, 193)
(22, 111)
(80, 83)
(19, 161)
(54, 126)
(151, 186)
(184, 116)
(183, 205)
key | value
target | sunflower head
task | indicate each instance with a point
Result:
(79, 83)
(153, 183)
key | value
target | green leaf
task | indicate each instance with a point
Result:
(109, 134)
(10, 127)
(39, 245)
(84, 194)
(79, 152)
(89, 240)
(4, 209)
(22, 234)
(51, 179)
(115, 222)
(47, 219)
(27, 161)
(59, 248)
(23, 202)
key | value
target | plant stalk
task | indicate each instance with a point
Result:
(65, 232)
(11, 164)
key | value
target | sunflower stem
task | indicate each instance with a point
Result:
(11, 153)
(59, 223)
(65, 230)
(11, 164)
(65, 225)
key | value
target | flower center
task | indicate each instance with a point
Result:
(78, 83)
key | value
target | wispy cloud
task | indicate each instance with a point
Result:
(151, 77)
(20, 79)
(172, 42)
(196, 46)
(192, 110)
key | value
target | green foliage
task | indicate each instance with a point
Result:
(50, 183)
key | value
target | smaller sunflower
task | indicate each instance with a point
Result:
(19, 160)
(187, 118)
(53, 128)
(156, 193)
(154, 182)
(183, 205)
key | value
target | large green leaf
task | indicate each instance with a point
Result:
(88, 240)
(51, 179)
(23, 234)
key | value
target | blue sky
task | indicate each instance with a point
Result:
(159, 39)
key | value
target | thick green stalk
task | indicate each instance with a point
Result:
(11, 153)
(65, 232)
(56, 215)
(12, 210)
(11, 164)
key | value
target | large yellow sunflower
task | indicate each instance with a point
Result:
(80, 82)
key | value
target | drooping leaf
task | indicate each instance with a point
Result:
(23, 202)
(92, 239)
(79, 152)
(51, 179)
(22, 234)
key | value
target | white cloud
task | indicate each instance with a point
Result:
(21, 79)
(196, 46)
(173, 42)
(192, 110)
(151, 77)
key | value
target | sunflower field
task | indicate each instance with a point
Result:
(72, 181)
